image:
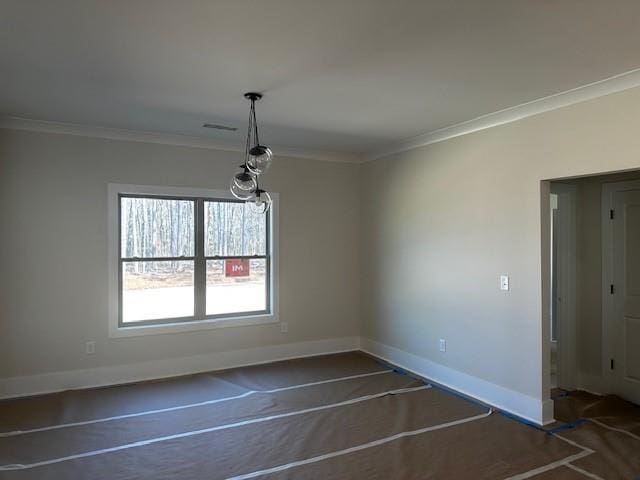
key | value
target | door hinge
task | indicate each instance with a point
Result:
(611, 214)
(612, 364)
(611, 289)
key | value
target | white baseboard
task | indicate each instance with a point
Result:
(524, 406)
(13, 387)
(594, 384)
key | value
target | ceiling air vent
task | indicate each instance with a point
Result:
(219, 127)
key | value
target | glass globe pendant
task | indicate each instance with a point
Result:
(241, 194)
(259, 159)
(244, 180)
(261, 203)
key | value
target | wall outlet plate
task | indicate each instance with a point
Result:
(504, 282)
(90, 348)
(284, 327)
(443, 345)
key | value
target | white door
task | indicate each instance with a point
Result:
(625, 294)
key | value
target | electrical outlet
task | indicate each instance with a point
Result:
(90, 348)
(504, 282)
(443, 345)
(284, 327)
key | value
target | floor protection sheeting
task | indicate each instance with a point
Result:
(338, 416)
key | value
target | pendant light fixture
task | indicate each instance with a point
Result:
(257, 159)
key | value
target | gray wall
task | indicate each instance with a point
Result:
(442, 222)
(53, 192)
(434, 227)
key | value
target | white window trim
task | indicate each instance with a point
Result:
(116, 331)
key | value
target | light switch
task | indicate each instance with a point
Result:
(504, 282)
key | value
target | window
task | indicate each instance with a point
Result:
(187, 259)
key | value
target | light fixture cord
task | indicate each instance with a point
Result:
(248, 143)
(255, 122)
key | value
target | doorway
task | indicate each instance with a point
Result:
(594, 285)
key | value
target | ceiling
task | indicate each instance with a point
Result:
(342, 76)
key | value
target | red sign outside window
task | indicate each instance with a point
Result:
(237, 268)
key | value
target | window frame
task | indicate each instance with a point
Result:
(200, 320)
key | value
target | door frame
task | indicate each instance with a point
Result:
(608, 307)
(566, 286)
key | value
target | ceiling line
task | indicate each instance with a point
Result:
(600, 88)
(18, 123)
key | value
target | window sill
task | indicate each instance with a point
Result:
(197, 325)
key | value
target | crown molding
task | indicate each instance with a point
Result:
(607, 86)
(17, 123)
(617, 83)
